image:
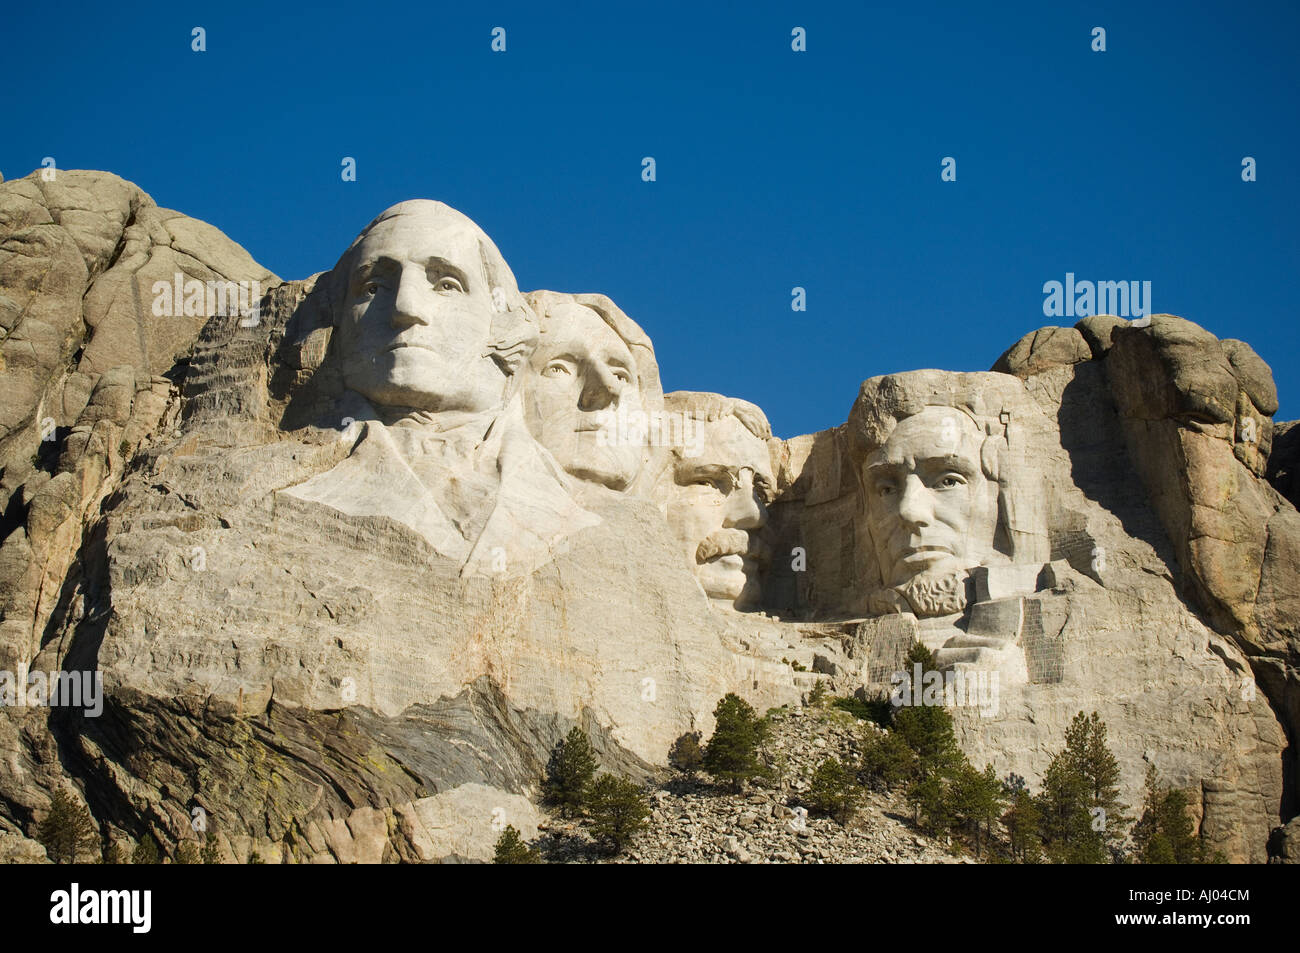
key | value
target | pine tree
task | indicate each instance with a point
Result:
(187, 852)
(1083, 818)
(832, 791)
(112, 852)
(146, 851)
(928, 795)
(686, 755)
(977, 802)
(211, 854)
(67, 830)
(927, 729)
(1164, 834)
(887, 761)
(618, 808)
(732, 754)
(569, 772)
(1023, 821)
(512, 849)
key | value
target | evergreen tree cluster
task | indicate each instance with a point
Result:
(616, 808)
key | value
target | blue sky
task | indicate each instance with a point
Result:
(775, 169)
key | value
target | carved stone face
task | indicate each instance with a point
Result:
(716, 505)
(929, 506)
(414, 327)
(582, 381)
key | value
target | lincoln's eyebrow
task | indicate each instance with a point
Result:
(947, 461)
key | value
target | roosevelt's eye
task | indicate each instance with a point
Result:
(885, 489)
(448, 283)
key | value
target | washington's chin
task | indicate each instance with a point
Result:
(731, 580)
(421, 380)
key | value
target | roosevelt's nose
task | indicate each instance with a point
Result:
(411, 305)
(600, 388)
(744, 507)
(916, 507)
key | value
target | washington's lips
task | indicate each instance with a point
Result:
(405, 344)
(732, 547)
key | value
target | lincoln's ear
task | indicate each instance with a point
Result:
(993, 457)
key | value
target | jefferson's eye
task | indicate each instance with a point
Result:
(555, 370)
(448, 283)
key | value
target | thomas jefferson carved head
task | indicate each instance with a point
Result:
(590, 385)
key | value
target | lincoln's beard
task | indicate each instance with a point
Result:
(942, 592)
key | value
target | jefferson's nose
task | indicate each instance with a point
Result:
(411, 306)
(916, 508)
(744, 507)
(600, 388)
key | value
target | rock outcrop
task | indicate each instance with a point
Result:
(351, 553)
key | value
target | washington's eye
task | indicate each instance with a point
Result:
(448, 283)
(371, 289)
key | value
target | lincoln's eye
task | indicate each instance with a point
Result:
(951, 481)
(448, 283)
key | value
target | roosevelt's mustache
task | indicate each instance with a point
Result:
(737, 542)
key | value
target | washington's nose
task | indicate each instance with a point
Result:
(916, 507)
(600, 388)
(745, 509)
(411, 304)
